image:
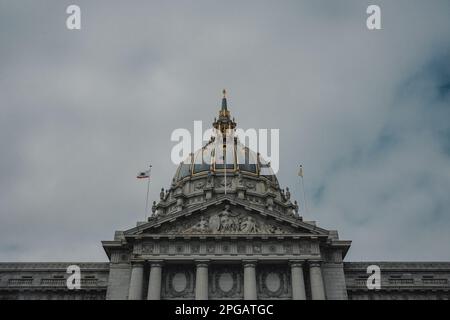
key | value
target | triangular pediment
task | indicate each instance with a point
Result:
(227, 217)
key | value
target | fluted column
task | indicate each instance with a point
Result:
(154, 280)
(136, 281)
(201, 280)
(298, 282)
(315, 276)
(250, 280)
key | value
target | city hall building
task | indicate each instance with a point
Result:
(225, 229)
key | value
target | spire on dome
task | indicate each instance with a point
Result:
(224, 121)
(224, 100)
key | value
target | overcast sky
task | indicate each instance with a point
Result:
(366, 112)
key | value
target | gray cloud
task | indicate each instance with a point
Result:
(365, 112)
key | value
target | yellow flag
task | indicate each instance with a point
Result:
(300, 172)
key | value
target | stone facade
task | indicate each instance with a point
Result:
(38, 281)
(225, 230)
(226, 248)
(400, 281)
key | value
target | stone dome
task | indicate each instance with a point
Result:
(224, 167)
(217, 157)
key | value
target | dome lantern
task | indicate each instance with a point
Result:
(224, 122)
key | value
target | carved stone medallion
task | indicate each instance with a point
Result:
(226, 282)
(274, 282)
(178, 283)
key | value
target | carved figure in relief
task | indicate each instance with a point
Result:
(248, 225)
(227, 222)
(288, 194)
(214, 223)
(296, 207)
(202, 226)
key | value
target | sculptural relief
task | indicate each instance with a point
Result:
(202, 226)
(195, 248)
(199, 185)
(228, 222)
(250, 185)
(220, 183)
(148, 248)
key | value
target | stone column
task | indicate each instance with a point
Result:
(136, 281)
(154, 280)
(201, 280)
(315, 276)
(298, 283)
(250, 280)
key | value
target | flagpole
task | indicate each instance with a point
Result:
(148, 189)
(225, 160)
(303, 188)
(304, 196)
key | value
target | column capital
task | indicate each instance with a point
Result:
(314, 263)
(137, 263)
(156, 263)
(249, 263)
(296, 263)
(202, 263)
